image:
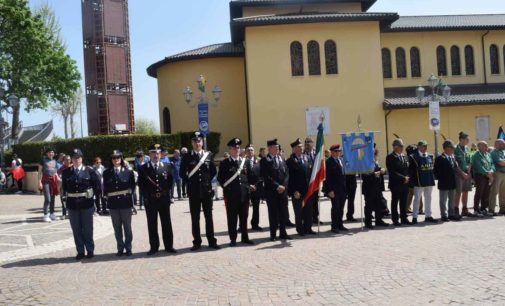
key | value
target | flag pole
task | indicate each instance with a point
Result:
(360, 181)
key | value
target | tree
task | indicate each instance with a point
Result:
(67, 111)
(33, 64)
(145, 126)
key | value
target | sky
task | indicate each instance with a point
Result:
(159, 28)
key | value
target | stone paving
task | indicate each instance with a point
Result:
(450, 263)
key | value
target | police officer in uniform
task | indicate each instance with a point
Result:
(80, 183)
(155, 181)
(198, 169)
(275, 175)
(232, 176)
(118, 188)
(254, 178)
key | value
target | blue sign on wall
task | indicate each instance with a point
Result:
(203, 118)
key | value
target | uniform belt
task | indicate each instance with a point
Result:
(88, 194)
(119, 193)
(158, 194)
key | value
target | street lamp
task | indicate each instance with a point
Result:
(11, 102)
(203, 104)
(435, 85)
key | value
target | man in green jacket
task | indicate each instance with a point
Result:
(498, 187)
(483, 169)
(464, 176)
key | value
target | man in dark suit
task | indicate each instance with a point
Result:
(198, 169)
(298, 185)
(155, 182)
(397, 164)
(335, 188)
(445, 170)
(255, 180)
(275, 175)
(232, 176)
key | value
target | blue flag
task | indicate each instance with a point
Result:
(358, 153)
(501, 133)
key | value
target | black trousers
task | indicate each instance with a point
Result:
(196, 204)
(277, 214)
(100, 202)
(337, 211)
(255, 201)
(314, 202)
(303, 215)
(236, 210)
(161, 206)
(399, 198)
(373, 204)
(184, 186)
(351, 185)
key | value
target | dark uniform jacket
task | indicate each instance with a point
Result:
(113, 182)
(238, 189)
(299, 174)
(398, 169)
(153, 182)
(421, 170)
(200, 184)
(254, 176)
(373, 185)
(335, 178)
(80, 181)
(445, 172)
(274, 174)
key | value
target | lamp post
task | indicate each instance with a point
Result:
(436, 85)
(11, 102)
(203, 104)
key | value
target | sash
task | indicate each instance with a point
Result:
(200, 163)
(231, 179)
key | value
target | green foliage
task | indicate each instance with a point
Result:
(145, 126)
(31, 152)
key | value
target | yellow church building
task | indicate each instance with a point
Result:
(287, 58)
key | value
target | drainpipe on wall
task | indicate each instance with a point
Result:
(484, 57)
(247, 98)
(387, 130)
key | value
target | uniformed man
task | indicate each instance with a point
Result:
(298, 185)
(232, 177)
(254, 178)
(335, 188)
(310, 153)
(198, 169)
(397, 165)
(155, 182)
(275, 175)
(80, 183)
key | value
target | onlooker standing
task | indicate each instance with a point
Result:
(335, 188)
(67, 163)
(255, 179)
(99, 168)
(498, 187)
(140, 160)
(422, 179)
(446, 169)
(3, 180)
(17, 172)
(48, 183)
(398, 168)
(176, 166)
(464, 178)
(483, 169)
(373, 185)
(164, 157)
(184, 181)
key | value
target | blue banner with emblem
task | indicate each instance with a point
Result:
(203, 118)
(358, 149)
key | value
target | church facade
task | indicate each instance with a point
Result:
(286, 56)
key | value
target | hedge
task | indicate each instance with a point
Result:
(102, 146)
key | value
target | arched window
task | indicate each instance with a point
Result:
(314, 58)
(167, 125)
(296, 51)
(415, 62)
(441, 61)
(386, 64)
(401, 67)
(493, 57)
(455, 61)
(469, 60)
(330, 53)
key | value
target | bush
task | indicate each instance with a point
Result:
(31, 152)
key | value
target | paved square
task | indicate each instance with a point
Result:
(449, 263)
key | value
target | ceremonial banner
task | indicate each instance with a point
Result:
(358, 149)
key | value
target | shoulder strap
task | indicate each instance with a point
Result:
(234, 176)
(200, 163)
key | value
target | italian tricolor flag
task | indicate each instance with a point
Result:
(319, 169)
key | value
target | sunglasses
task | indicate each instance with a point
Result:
(116, 157)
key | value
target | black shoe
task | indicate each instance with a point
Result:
(152, 252)
(105, 212)
(495, 214)
(311, 232)
(335, 231)
(119, 253)
(396, 223)
(233, 243)
(273, 238)
(290, 224)
(343, 228)
(195, 248)
(455, 218)
(406, 222)
(369, 226)
(248, 242)
(381, 223)
(257, 228)
(320, 222)
(128, 253)
(79, 256)
(444, 219)
(171, 250)
(286, 237)
(141, 207)
(301, 234)
(90, 255)
(351, 220)
(414, 220)
(430, 220)
(214, 247)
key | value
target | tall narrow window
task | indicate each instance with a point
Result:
(401, 67)
(415, 62)
(330, 53)
(493, 57)
(455, 61)
(386, 64)
(167, 126)
(314, 58)
(441, 61)
(296, 51)
(469, 60)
